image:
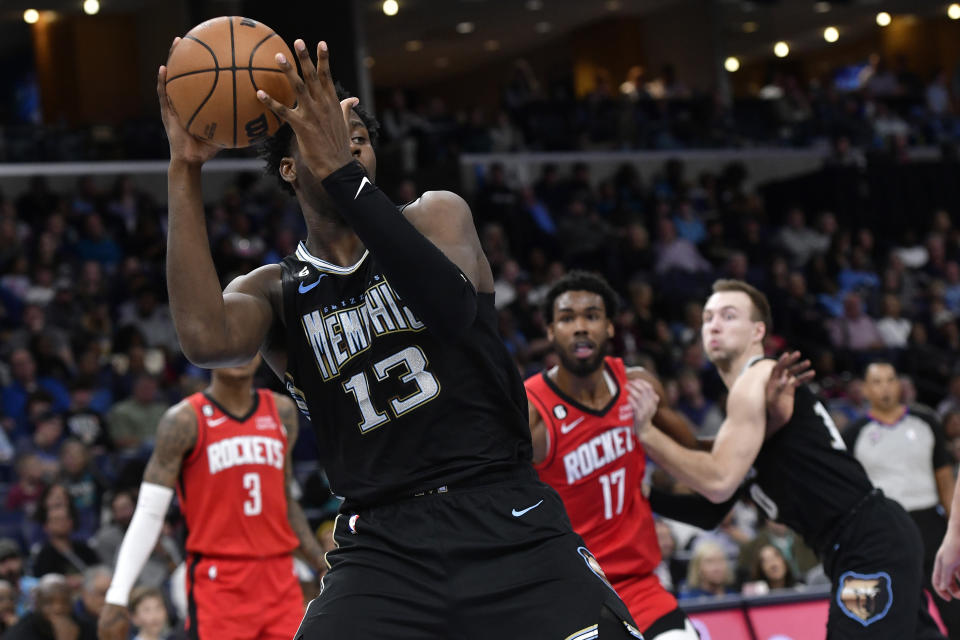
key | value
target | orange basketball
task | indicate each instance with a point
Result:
(213, 75)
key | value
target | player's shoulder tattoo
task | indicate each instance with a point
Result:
(176, 435)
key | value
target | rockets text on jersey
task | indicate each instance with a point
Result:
(232, 484)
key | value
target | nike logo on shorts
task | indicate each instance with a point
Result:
(517, 514)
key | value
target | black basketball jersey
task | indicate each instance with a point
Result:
(804, 476)
(396, 410)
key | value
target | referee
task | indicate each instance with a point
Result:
(904, 452)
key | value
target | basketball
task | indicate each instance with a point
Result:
(213, 75)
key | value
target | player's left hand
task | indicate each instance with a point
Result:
(788, 374)
(644, 401)
(946, 568)
(319, 118)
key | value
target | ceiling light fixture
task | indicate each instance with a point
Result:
(781, 49)
(883, 18)
(831, 34)
(390, 7)
(465, 27)
(731, 64)
(31, 16)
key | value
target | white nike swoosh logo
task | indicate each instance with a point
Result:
(217, 422)
(567, 427)
(517, 514)
(365, 180)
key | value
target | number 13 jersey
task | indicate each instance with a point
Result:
(231, 487)
(396, 410)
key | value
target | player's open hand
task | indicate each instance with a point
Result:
(114, 623)
(183, 146)
(788, 374)
(319, 118)
(644, 401)
(946, 568)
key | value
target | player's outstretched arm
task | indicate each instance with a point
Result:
(431, 253)
(309, 546)
(717, 473)
(176, 435)
(946, 568)
(671, 422)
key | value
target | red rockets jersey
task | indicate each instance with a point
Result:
(596, 464)
(231, 487)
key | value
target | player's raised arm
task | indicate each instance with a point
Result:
(298, 520)
(176, 435)
(946, 568)
(214, 329)
(431, 253)
(717, 473)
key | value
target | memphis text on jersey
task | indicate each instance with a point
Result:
(339, 332)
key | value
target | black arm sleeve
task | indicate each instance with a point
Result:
(434, 288)
(691, 508)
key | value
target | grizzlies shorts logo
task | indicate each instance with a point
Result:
(594, 566)
(865, 597)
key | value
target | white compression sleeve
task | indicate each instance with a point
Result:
(139, 540)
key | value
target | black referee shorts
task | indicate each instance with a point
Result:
(495, 562)
(876, 566)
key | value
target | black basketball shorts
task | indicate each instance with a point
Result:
(495, 562)
(875, 565)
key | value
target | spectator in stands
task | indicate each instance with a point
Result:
(951, 403)
(709, 574)
(800, 558)
(11, 571)
(667, 568)
(25, 494)
(97, 245)
(904, 452)
(893, 328)
(36, 327)
(800, 241)
(51, 620)
(84, 484)
(83, 421)
(8, 606)
(771, 569)
(702, 413)
(151, 318)
(854, 330)
(149, 615)
(60, 553)
(675, 254)
(86, 608)
(133, 422)
(13, 397)
(44, 442)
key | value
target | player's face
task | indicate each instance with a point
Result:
(728, 327)
(580, 331)
(882, 387)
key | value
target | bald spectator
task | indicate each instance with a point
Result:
(51, 619)
(904, 452)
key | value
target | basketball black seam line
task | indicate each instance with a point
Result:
(216, 78)
(252, 69)
(233, 62)
(196, 71)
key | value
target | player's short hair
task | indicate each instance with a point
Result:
(277, 147)
(761, 306)
(581, 281)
